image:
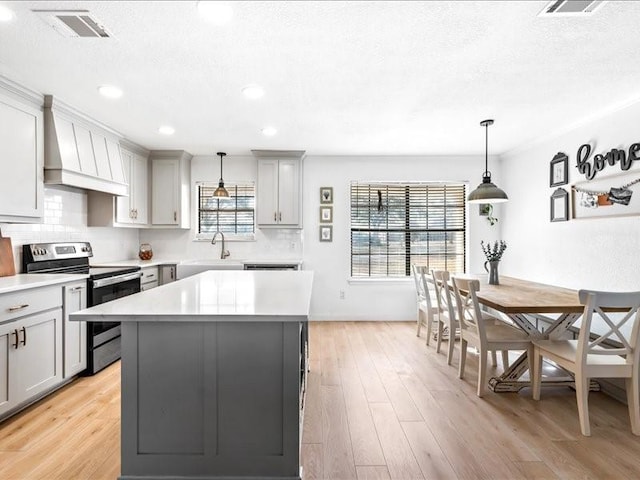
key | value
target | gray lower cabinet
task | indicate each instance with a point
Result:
(30, 357)
(75, 333)
(210, 400)
(167, 274)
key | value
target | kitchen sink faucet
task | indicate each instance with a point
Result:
(223, 253)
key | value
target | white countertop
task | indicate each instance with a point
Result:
(23, 281)
(135, 262)
(214, 295)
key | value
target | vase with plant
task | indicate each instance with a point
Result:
(493, 254)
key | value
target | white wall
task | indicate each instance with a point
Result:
(597, 253)
(180, 244)
(65, 220)
(376, 300)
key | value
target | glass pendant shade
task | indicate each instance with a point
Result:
(221, 191)
(487, 191)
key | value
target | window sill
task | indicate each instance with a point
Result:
(380, 281)
(227, 238)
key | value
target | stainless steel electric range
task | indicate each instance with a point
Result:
(104, 284)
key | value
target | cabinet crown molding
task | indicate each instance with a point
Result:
(279, 153)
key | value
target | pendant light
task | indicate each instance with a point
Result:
(487, 192)
(221, 191)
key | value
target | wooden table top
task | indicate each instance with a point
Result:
(515, 295)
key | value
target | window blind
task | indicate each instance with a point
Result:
(394, 225)
(233, 215)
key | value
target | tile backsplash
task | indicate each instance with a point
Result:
(65, 220)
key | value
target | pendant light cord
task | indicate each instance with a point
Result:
(486, 149)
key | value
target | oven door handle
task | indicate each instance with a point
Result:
(103, 282)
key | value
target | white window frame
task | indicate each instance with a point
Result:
(206, 237)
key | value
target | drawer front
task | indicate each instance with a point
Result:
(149, 274)
(27, 302)
(148, 286)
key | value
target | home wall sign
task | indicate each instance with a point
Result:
(589, 167)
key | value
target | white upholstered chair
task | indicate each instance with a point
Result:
(446, 311)
(425, 311)
(592, 356)
(483, 331)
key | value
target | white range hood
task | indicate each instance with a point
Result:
(80, 152)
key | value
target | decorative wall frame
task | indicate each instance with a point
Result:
(559, 208)
(326, 194)
(326, 233)
(559, 170)
(611, 196)
(326, 214)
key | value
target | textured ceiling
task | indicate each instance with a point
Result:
(339, 77)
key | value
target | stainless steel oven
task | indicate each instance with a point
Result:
(104, 285)
(103, 338)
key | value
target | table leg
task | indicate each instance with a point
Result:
(510, 380)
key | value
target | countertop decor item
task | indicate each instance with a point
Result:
(493, 255)
(221, 191)
(145, 252)
(487, 192)
(7, 267)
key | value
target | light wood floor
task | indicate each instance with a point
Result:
(380, 405)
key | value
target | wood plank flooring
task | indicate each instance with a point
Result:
(380, 405)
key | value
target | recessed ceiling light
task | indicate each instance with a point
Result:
(6, 15)
(253, 91)
(166, 130)
(218, 13)
(269, 131)
(109, 91)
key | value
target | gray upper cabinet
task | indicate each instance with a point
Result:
(80, 152)
(21, 155)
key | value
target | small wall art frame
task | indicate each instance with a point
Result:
(326, 195)
(326, 214)
(559, 205)
(559, 170)
(326, 233)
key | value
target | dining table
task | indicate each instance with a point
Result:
(542, 311)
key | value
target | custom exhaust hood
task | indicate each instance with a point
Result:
(80, 152)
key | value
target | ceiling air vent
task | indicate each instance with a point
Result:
(571, 8)
(73, 23)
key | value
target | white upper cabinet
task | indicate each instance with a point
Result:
(21, 155)
(106, 210)
(279, 195)
(80, 152)
(134, 208)
(170, 187)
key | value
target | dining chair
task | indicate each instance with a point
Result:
(607, 355)
(446, 316)
(483, 331)
(424, 308)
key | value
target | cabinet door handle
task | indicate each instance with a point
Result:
(131, 213)
(275, 216)
(173, 273)
(75, 289)
(15, 332)
(24, 336)
(279, 216)
(15, 308)
(136, 214)
(175, 216)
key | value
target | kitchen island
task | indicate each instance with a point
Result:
(212, 375)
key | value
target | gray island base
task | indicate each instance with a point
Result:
(211, 389)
